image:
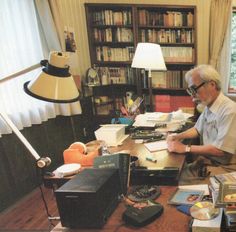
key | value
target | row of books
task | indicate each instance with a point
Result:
(111, 17)
(113, 35)
(171, 54)
(169, 79)
(105, 53)
(116, 75)
(167, 103)
(178, 54)
(167, 36)
(168, 18)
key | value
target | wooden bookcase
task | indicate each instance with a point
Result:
(114, 31)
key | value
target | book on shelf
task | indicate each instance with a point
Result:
(167, 19)
(178, 54)
(106, 53)
(169, 79)
(116, 75)
(185, 36)
(120, 161)
(159, 79)
(110, 17)
(162, 103)
(167, 103)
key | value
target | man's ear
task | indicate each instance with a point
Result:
(212, 83)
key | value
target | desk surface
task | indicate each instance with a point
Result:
(164, 158)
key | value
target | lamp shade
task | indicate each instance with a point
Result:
(55, 83)
(148, 56)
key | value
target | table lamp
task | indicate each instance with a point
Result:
(54, 84)
(149, 57)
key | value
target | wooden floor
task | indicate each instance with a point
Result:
(29, 214)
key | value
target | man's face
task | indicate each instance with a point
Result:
(201, 91)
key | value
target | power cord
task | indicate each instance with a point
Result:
(40, 173)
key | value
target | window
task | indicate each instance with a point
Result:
(232, 79)
(20, 48)
(20, 42)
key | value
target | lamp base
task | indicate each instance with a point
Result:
(43, 162)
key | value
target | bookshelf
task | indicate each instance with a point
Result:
(114, 31)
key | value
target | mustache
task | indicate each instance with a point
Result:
(196, 100)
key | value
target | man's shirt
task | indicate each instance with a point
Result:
(217, 126)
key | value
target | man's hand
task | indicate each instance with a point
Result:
(176, 146)
(172, 137)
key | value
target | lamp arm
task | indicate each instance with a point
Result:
(149, 73)
(150, 87)
(41, 162)
(31, 68)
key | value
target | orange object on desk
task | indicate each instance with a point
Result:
(77, 153)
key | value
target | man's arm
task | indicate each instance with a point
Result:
(174, 145)
(207, 150)
(178, 147)
(188, 134)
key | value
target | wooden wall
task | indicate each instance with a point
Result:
(18, 175)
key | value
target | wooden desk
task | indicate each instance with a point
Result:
(171, 219)
(163, 175)
(164, 159)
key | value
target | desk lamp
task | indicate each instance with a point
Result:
(149, 57)
(54, 84)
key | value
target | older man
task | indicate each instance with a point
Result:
(216, 125)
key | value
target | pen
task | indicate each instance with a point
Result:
(152, 140)
(151, 159)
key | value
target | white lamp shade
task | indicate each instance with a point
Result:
(55, 83)
(148, 56)
(52, 88)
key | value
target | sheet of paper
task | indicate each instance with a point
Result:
(156, 146)
(203, 187)
(141, 121)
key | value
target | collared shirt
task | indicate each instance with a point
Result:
(217, 126)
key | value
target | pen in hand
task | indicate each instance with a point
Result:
(152, 140)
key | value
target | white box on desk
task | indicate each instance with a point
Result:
(213, 225)
(112, 134)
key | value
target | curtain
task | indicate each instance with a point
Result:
(219, 17)
(225, 58)
(21, 46)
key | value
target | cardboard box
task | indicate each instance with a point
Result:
(112, 134)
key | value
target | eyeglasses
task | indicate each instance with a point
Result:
(192, 90)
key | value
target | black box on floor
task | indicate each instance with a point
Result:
(89, 198)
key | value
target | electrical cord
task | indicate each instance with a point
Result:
(228, 169)
(40, 173)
